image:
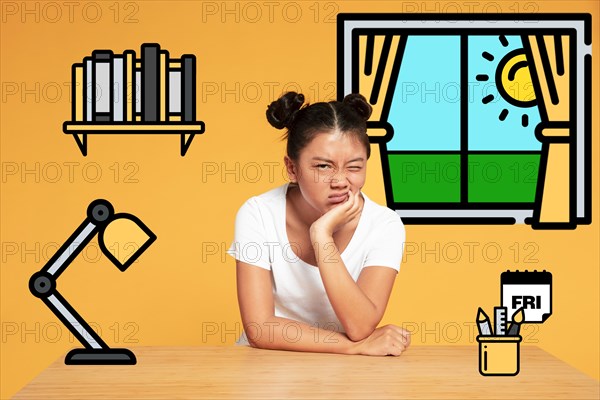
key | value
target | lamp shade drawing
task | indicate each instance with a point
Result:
(111, 228)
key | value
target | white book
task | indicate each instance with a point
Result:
(118, 89)
(175, 91)
(88, 89)
(138, 90)
(102, 87)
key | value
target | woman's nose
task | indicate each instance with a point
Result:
(338, 179)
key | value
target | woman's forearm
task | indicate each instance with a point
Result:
(354, 309)
(278, 333)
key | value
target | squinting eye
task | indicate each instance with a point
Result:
(322, 166)
(355, 168)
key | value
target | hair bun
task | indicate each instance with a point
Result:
(359, 104)
(281, 112)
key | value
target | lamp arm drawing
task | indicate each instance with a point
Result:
(72, 320)
(42, 284)
(70, 249)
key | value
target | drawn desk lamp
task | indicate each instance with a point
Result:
(111, 228)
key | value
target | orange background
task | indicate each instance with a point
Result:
(181, 291)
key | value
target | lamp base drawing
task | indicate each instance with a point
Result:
(100, 357)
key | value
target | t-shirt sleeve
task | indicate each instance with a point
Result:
(250, 244)
(387, 246)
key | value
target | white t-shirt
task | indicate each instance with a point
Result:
(298, 292)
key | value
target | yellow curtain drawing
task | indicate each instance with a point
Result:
(377, 54)
(551, 59)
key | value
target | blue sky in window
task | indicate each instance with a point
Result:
(425, 109)
(487, 130)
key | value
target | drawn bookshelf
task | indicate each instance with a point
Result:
(122, 94)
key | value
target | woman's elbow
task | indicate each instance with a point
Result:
(257, 344)
(257, 338)
(356, 334)
(264, 343)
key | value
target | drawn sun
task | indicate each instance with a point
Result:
(513, 81)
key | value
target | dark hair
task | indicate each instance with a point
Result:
(304, 122)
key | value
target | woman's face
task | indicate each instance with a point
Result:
(330, 166)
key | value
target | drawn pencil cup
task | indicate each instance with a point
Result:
(499, 355)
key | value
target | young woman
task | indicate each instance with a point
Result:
(316, 259)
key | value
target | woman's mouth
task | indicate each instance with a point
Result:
(338, 198)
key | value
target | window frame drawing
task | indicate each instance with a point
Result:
(569, 141)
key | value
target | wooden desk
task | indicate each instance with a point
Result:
(241, 372)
